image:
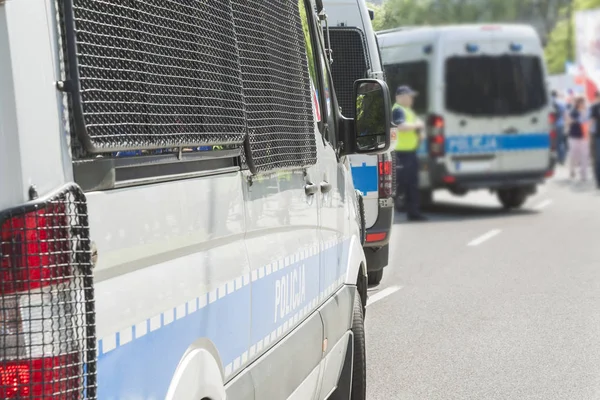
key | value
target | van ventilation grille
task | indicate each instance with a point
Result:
(350, 62)
(276, 83)
(151, 74)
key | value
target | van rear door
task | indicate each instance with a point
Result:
(524, 143)
(496, 99)
(468, 129)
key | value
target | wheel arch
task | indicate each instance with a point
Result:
(356, 261)
(199, 374)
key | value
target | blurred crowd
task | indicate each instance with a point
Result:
(577, 126)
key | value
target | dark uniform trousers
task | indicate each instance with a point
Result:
(407, 167)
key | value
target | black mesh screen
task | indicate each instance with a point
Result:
(154, 73)
(350, 62)
(276, 83)
(47, 331)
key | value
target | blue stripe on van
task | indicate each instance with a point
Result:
(475, 144)
(365, 178)
(140, 363)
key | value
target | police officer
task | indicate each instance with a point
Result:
(408, 127)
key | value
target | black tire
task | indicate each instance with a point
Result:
(512, 198)
(362, 287)
(359, 370)
(375, 277)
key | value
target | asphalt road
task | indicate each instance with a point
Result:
(480, 303)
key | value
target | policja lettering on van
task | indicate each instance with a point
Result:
(290, 292)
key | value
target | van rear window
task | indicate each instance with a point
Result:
(414, 74)
(495, 85)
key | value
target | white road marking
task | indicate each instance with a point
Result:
(543, 204)
(486, 236)
(383, 294)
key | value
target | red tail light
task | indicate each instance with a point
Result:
(376, 237)
(436, 135)
(45, 298)
(34, 250)
(553, 134)
(386, 186)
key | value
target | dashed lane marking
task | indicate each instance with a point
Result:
(485, 237)
(382, 295)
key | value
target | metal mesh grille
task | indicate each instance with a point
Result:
(154, 73)
(47, 333)
(276, 83)
(350, 63)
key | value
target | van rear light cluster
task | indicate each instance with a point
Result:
(386, 175)
(553, 133)
(436, 135)
(47, 327)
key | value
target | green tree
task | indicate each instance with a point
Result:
(561, 40)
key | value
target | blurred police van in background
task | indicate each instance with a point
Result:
(482, 92)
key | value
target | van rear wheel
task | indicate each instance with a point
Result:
(512, 198)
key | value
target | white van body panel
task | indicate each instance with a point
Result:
(476, 145)
(194, 276)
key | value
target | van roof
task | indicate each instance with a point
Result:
(401, 35)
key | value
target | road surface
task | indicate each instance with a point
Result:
(479, 303)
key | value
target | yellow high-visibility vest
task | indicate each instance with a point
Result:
(407, 141)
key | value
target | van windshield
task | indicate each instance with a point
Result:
(414, 74)
(495, 85)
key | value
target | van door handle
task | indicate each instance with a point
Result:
(326, 187)
(310, 189)
(511, 131)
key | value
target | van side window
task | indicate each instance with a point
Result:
(152, 89)
(415, 74)
(312, 65)
(319, 75)
(327, 94)
(311, 45)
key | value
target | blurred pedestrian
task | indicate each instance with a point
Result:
(570, 99)
(595, 136)
(559, 109)
(577, 142)
(409, 131)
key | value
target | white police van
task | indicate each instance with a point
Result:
(482, 92)
(177, 214)
(355, 55)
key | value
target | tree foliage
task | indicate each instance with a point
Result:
(561, 42)
(396, 13)
(549, 17)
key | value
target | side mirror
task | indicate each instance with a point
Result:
(371, 14)
(371, 130)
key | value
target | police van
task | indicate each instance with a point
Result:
(355, 55)
(483, 96)
(177, 213)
